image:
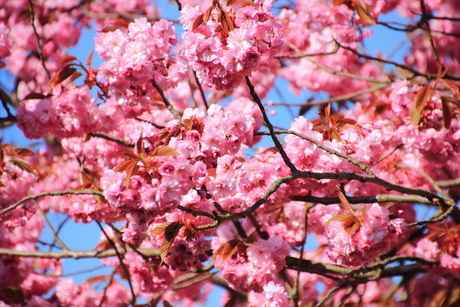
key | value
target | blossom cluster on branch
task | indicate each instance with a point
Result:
(160, 147)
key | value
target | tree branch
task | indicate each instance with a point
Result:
(55, 193)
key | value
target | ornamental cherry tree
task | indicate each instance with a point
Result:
(164, 147)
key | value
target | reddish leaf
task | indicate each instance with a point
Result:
(198, 22)
(61, 75)
(364, 12)
(66, 60)
(75, 76)
(24, 152)
(172, 230)
(272, 150)
(22, 165)
(447, 113)
(345, 204)
(165, 151)
(167, 304)
(140, 147)
(212, 172)
(120, 23)
(34, 95)
(207, 14)
(89, 60)
(227, 22)
(131, 170)
(227, 250)
(122, 166)
(160, 229)
(12, 295)
(421, 98)
(451, 84)
(109, 29)
(317, 121)
(187, 123)
(95, 279)
(131, 155)
(346, 121)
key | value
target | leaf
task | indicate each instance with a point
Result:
(24, 152)
(89, 60)
(451, 84)
(165, 151)
(447, 113)
(109, 29)
(121, 23)
(207, 14)
(61, 75)
(131, 170)
(35, 95)
(22, 165)
(212, 172)
(421, 98)
(170, 232)
(227, 22)
(122, 166)
(345, 204)
(272, 150)
(140, 147)
(167, 304)
(227, 250)
(75, 76)
(188, 123)
(364, 12)
(12, 295)
(95, 279)
(346, 121)
(131, 155)
(66, 60)
(338, 217)
(198, 22)
(160, 229)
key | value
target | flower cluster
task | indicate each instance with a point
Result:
(226, 46)
(136, 56)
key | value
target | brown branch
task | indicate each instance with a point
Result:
(275, 140)
(379, 198)
(111, 138)
(405, 67)
(166, 101)
(54, 193)
(335, 98)
(78, 254)
(37, 37)
(428, 31)
(339, 73)
(448, 183)
(326, 149)
(123, 266)
(203, 97)
(304, 55)
(360, 275)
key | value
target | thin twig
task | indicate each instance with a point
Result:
(37, 37)
(111, 138)
(54, 193)
(123, 266)
(275, 140)
(353, 161)
(78, 254)
(203, 97)
(166, 101)
(55, 234)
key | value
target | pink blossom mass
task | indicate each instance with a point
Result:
(257, 147)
